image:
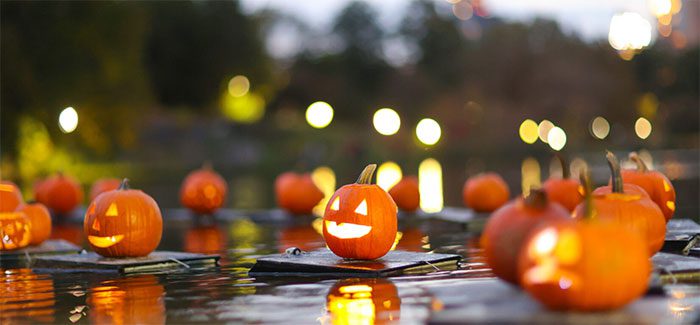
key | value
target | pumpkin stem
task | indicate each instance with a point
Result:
(536, 199)
(587, 196)
(641, 166)
(565, 171)
(124, 185)
(615, 172)
(366, 175)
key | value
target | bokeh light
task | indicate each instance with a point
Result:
(600, 128)
(324, 178)
(660, 7)
(629, 31)
(386, 121)
(248, 108)
(642, 127)
(68, 120)
(556, 138)
(530, 175)
(463, 10)
(428, 131)
(319, 114)
(543, 130)
(238, 86)
(528, 131)
(430, 185)
(388, 174)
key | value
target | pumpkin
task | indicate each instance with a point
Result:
(508, 227)
(69, 232)
(205, 240)
(629, 206)
(405, 193)
(297, 193)
(131, 300)
(26, 296)
(15, 230)
(360, 219)
(304, 237)
(363, 301)
(589, 265)
(654, 183)
(10, 196)
(203, 191)
(123, 223)
(485, 192)
(60, 193)
(103, 185)
(565, 191)
(40, 219)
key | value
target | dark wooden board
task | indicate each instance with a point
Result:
(681, 236)
(49, 247)
(156, 261)
(324, 263)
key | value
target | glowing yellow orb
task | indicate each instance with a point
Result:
(556, 138)
(428, 131)
(386, 121)
(642, 127)
(528, 131)
(238, 86)
(600, 128)
(68, 120)
(319, 115)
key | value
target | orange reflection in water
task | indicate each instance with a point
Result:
(132, 300)
(412, 240)
(304, 237)
(363, 301)
(25, 296)
(205, 240)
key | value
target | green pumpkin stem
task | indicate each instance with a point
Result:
(565, 171)
(124, 185)
(615, 172)
(641, 166)
(366, 175)
(536, 199)
(585, 178)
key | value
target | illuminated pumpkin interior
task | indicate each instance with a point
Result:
(346, 230)
(553, 251)
(105, 241)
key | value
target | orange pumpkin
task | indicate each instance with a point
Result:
(576, 266)
(363, 301)
(360, 219)
(26, 297)
(10, 196)
(205, 240)
(40, 218)
(565, 191)
(123, 223)
(15, 230)
(405, 193)
(654, 183)
(485, 192)
(131, 300)
(628, 206)
(297, 193)
(69, 232)
(103, 185)
(60, 193)
(203, 191)
(508, 227)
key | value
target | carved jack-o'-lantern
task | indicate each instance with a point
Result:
(123, 223)
(360, 219)
(15, 230)
(131, 300)
(10, 196)
(24, 294)
(363, 301)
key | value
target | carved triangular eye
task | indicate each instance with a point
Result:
(336, 204)
(362, 208)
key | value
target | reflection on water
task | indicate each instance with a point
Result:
(205, 240)
(363, 301)
(130, 300)
(26, 296)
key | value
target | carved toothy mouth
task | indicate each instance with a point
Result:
(346, 230)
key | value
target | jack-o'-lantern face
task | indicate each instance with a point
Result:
(360, 220)
(15, 230)
(363, 301)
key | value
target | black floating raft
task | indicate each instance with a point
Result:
(156, 261)
(49, 247)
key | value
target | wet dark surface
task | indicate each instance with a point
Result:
(228, 294)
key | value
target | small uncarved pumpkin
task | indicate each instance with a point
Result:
(508, 227)
(360, 219)
(629, 206)
(576, 266)
(485, 192)
(565, 191)
(60, 193)
(10, 196)
(203, 191)
(363, 301)
(406, 194)
(297, 193)
(40, 218)
(103, 185)
(123, 223)
(15, 230)
(654, 183)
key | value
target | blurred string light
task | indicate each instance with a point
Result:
(642, 127)
(386, 121)
(430, 185)
(528, 131)
(388, 174)
(530, 175)
(543, 130)
(248, 108)
(238, 86)
(319, 114)
(556, 138)
(629, 31)
(428, 131)
(600, 128)
(324, 178)
(68, 120)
